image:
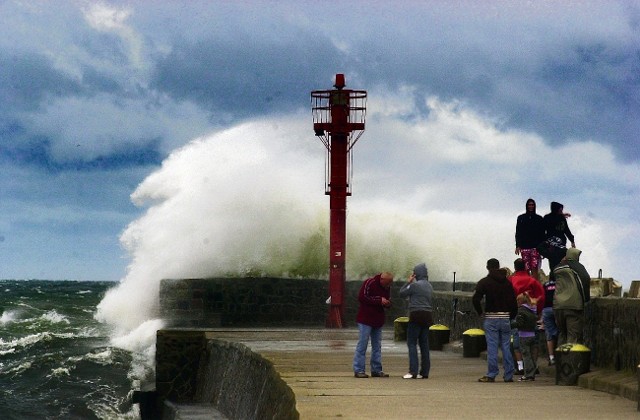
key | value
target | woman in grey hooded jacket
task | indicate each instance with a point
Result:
(419, 292)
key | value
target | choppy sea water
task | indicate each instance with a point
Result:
(55, 358)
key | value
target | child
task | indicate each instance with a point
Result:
(525, 322)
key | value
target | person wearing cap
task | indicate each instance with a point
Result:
(419, 291)
(573, 260)
(374, 298)
(571, 294)
(500, 308)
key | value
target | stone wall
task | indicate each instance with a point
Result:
(254, 302)
(196, 371)
(612, 330)
(243, 302)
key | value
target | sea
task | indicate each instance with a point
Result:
(56, 360)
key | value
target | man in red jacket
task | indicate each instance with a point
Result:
(522, 282)
(374, 299)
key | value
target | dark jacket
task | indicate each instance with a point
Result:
(497, 292)
(371, 311)
(529, 229)
(549, 292)
(556, 225)
(526, 319)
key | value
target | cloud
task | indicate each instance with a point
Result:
(111, 19)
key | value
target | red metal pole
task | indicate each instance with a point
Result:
(337, 229)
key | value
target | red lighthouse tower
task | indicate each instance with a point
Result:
(338, 120)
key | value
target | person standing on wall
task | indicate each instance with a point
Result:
(374, 298)
(557, 232)
(499, 308)
(419, 291)
(530, 232)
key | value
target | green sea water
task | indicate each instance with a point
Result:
(56, 361)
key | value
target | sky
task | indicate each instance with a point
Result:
(142, 140)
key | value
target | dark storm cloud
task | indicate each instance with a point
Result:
(255, 79)
(36, 152)
(29, 78)
(574, 90)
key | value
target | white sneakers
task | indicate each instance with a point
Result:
(412, 376)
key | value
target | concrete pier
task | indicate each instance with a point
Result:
(316, 365)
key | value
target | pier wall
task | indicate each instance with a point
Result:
(611, 330)
(197, 374)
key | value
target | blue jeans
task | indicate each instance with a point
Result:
(498, 334)
(365, 332)
(417, 335)
(549, 322)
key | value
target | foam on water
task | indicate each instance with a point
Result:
(54, 317)
(60, 372)
(9, 316)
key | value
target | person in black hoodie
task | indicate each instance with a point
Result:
(530, 233)
(499, 308)
(557, 232)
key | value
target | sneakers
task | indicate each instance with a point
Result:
(509, 380)
(486, 379)
(412, 376)
(373, 374)
(526, 379)
(552, 362)
(379, 375)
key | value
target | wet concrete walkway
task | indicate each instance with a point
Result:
(316, 364)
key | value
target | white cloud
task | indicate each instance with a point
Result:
(112, 19)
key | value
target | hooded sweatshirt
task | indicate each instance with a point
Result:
(556, 224)
(573, 261)
(420, 291)
(500, 300)
(529, 228)
(570, 292)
